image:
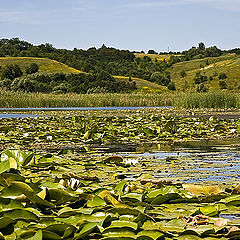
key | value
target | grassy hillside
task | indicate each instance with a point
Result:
(153, 56)
(45, 65)
(228, 64)
(144, 85)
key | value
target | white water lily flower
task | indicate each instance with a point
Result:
(131, 161)
(49, 138)
(100, 214)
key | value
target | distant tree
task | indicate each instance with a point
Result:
(33, 68)
(161, 78)
(152, 51)
(183, 73)
(222, 76)
(222, 84)
(201, 46)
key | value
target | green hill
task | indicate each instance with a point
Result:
(210, 67)
(51, 66)
(45, 65)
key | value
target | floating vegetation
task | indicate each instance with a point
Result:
(59, 178)
(78, 196)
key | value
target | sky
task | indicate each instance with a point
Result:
(124, 24)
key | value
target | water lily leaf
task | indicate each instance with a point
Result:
(202, 189)
(133, 197)
(19, 156)
(60, 196)
(162, 191)
(61, 229)
(5, 221)
(123, 224)
(50, 235)
(21, 214)
(119, 234)
(87, 229)
(9, 204)
(108, 198)
(120, 187)
(210, 210)
(96, 202)
(232, 200)
(30, 194)
(4, 166)
(173, 226)
(38, 236)
(202, 230)
(124, 210)
(150, 235)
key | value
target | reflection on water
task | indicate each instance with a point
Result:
(192, 162)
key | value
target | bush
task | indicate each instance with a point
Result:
(12, 71)
(172, 86)
(183, 73)
(161, 78)
(199, 78)
(222, 84)
(222, 76)
(202, 88)
(33, 68)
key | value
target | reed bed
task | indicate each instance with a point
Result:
(216, 99)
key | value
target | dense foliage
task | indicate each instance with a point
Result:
(63, 83)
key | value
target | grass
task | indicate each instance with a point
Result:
(45, 65)
(215, 99)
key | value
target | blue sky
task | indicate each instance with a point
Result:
(124, 24)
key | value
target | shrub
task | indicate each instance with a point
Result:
(33, 68)
(161, 78)
(202, 88)
(222, 76)
(199, 78)
(172, 86)
(222, 84)
(12, 71)
(183, 73)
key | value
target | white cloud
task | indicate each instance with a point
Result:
(232, 5)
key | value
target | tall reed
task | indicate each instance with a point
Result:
(215, 99)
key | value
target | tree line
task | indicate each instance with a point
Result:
(106, 59)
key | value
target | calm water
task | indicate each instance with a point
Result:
(197, 162)
(17, 115)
